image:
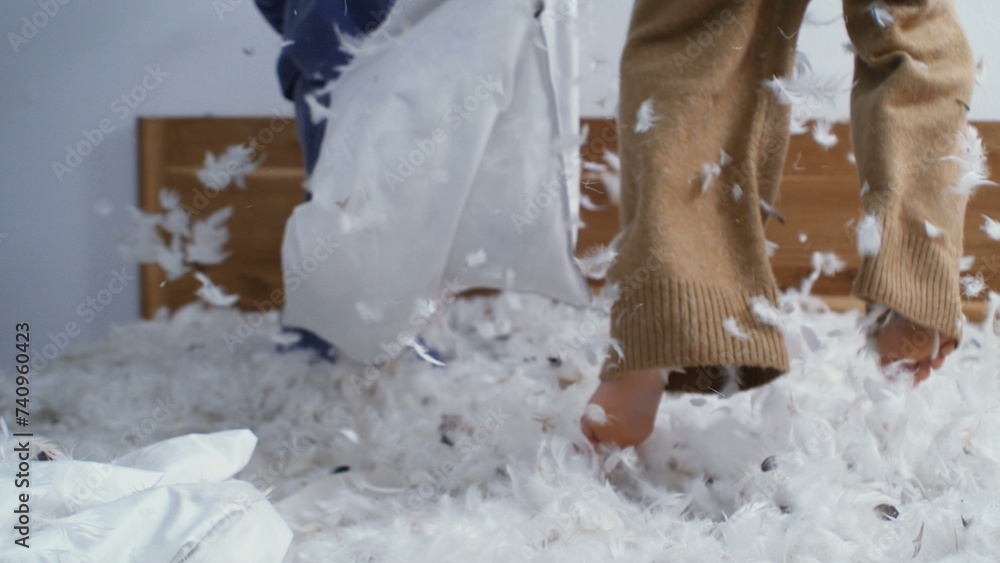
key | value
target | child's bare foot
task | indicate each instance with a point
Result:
(917, 346)
(629, 403)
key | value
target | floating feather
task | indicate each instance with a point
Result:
(645, 117)
(732, 326)
(823, 134)
(596, 260)
(208, 238)
(869, 235)
(879, 11)
(932, 230)
(771, 211)
(213, 294)
(475, 259)
(972, 161)
(973, 285)
(991, 227)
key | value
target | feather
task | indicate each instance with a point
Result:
(965, 263)
(766, 312)
(973, 286)
(424, 353)
(991, 227)
(231, 167)
(972, 162)
(707, 175)
(737, 193)
(879, 11)
(645, 117)
(213, 294)
(770, 248)
(208, 238)
(318, 113)
(145, 242)
(823, 134)
(932, 230)
(589, 205)
(595, 413)
(827, 263)
(869, 235)
(171, 259)
(175, 219)
(475, 259)
(732, 326)
(596, 260)
(771, 211)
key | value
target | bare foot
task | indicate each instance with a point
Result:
(629, 403)
(917, 346)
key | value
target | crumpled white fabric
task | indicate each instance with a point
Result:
(168, 502)
(450, 160)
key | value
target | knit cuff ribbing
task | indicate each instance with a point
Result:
(918, 277)
(678, 323)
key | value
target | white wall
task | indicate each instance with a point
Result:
(603, 25)
(58, 251)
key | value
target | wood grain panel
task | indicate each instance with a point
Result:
(819, 199)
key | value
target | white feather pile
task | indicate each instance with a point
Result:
(483, 459)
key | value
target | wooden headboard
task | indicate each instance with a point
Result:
(819, 199)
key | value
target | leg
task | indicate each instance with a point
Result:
(691, 260)
(914, 73)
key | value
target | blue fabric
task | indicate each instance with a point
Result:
(309, 59)
(312, 54)
(313, 51)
